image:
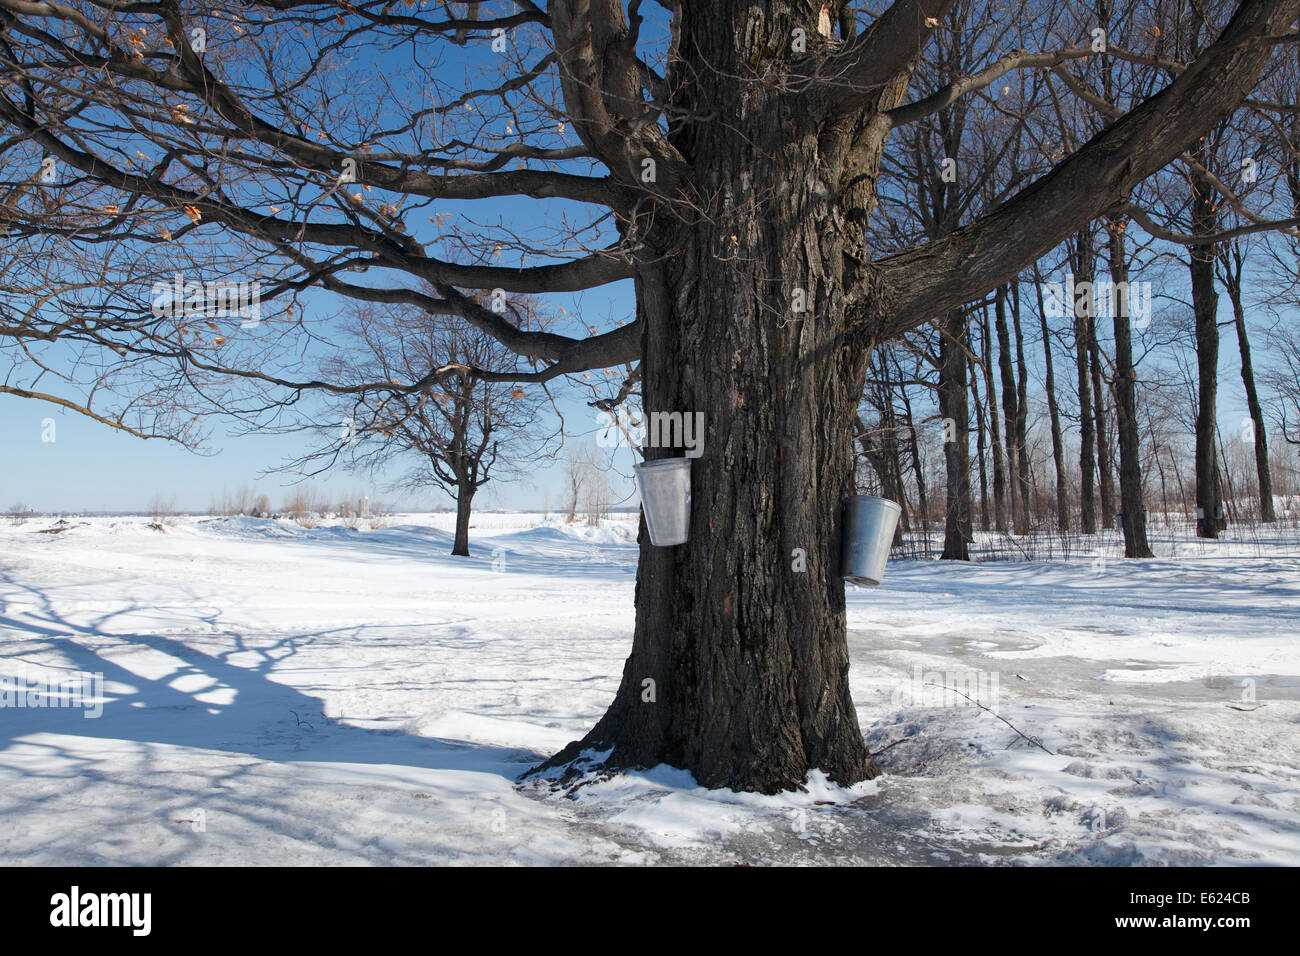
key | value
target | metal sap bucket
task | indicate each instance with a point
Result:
(869, 524)
(665, 488)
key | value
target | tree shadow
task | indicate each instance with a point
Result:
(183, 696)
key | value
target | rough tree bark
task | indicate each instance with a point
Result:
(1132, 505)
(1205, 307)
(1016, 505)
(739, 661)
(954, 410)
(464, 499)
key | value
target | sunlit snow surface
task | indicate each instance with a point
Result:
(278, 695)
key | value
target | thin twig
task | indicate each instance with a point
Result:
(1033, 740)
(894, 744)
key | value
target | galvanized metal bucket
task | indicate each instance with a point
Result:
(665, 488)
(869, 524)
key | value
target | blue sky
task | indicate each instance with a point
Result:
(89, 466)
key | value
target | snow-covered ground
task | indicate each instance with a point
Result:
(278, 695)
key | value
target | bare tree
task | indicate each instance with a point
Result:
(1133, 511)
(1231, 274)
(463, 432)
(599, 491)
(578, 466)
(725, 157)
(1054, 414)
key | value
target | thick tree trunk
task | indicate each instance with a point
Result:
(1132, 505)
(464, 498)
(954, 411)
(739, 663)
(1205, 306)
(1016, 505)
(1083, 311)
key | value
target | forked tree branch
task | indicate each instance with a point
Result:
(1143, 219)
(890, 46)
(947, 95)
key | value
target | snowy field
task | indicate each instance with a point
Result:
(278, 695)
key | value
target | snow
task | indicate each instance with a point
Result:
(280, 695)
